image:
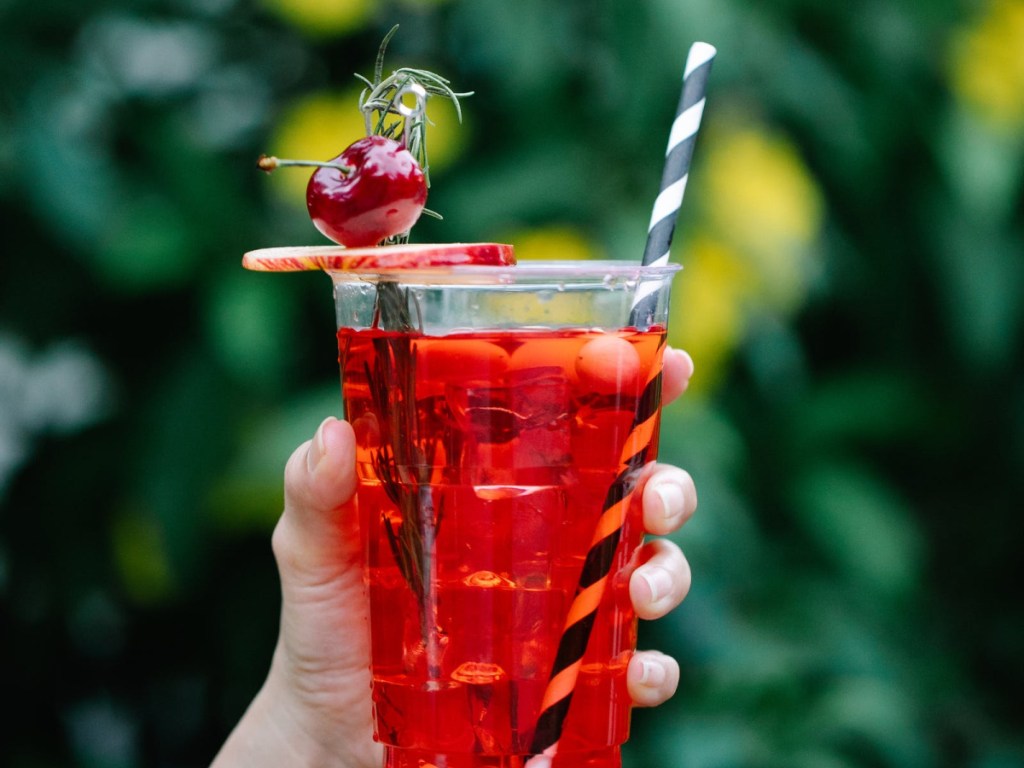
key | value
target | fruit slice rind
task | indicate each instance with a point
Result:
(305, 258)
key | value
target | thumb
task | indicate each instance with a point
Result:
(317, 537)
(322, 659)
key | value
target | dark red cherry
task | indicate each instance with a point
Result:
(382, 193)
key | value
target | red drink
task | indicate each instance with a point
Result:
(484, 461)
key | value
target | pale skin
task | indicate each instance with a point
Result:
(313, 710)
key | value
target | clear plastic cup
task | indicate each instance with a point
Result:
(501, 416)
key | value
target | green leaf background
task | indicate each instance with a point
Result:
(855, 427)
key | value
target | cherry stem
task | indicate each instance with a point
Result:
(269, 163)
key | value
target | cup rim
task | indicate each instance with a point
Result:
(567, 270)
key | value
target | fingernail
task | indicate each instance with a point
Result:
(317, 447)
(651, 674)
(672, 499)
(658, 580)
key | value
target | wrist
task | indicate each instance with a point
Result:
(275, 732)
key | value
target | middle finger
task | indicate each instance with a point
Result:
(669, 499)
(661, 581)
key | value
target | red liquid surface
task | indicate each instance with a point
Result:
(484, 461)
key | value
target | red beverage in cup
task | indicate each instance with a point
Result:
(485, 458)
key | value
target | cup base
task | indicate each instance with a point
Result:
(399, 757)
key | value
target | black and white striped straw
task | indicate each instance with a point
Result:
(681, 141)
(678, 155)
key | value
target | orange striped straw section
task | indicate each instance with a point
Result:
(593, 579)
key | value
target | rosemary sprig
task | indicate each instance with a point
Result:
(404, 463)
(386, 114)
(381, 100)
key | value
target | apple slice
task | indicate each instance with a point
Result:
(409, 256)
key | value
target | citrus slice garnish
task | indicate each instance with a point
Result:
(408, 256)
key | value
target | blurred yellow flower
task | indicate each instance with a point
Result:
(557, 242)
(708, 307)
(759, 198)
(320, 126)
(760, 217)
(323, 18)
(987, 64)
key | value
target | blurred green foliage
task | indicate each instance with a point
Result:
(853, 236)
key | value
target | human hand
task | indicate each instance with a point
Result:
(314, 707)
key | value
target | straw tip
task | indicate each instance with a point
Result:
(703, 50)
(700, 53)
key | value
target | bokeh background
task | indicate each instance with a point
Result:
(853, 240)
